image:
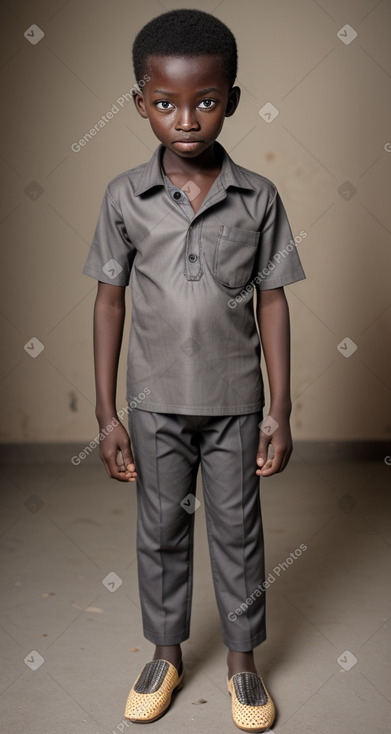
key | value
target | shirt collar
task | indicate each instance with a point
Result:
(230, 174)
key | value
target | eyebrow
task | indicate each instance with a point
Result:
(200, 91)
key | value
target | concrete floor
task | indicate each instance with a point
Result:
(326, 660)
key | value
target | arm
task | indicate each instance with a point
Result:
(109, 317)
(274, 329)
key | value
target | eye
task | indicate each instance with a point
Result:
(207, 104)
(165, 105)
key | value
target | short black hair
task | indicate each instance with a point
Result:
(185, 33)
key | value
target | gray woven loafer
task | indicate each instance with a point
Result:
(252, 706)
(151, 693)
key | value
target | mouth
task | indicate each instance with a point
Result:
(187, 144)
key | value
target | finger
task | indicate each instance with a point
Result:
(123, 476)
(116, 472)
(119, 462)
(275, 464)
(127, 458)
(262, 449)
(262, 471)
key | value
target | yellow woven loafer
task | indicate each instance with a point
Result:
(151, 694)
(252, 707)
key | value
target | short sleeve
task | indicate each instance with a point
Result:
(277, 262)
(111, 253)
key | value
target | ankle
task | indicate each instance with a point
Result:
(240, 662)
(234, 654)
(172, 653)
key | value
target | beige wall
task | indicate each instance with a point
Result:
(333, 126)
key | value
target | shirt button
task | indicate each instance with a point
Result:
(193, 257)
(177, 195)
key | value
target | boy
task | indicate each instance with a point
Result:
(194, 234)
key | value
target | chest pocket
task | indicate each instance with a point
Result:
(234, 256)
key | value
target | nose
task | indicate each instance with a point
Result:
(186, 119)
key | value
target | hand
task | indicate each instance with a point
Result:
(116, 454)
(281, 440)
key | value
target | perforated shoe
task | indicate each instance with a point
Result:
(252, 706)
(151, 694)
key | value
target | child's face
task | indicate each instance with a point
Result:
(186, 101)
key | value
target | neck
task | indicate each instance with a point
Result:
(207, 161)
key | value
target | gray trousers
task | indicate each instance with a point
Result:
(168, 449)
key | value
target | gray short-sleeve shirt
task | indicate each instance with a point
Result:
(193, 339)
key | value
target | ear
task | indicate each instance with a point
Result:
(233, 101)
(139, 104)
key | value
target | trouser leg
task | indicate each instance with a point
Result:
(167, 460)
(234, 525)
